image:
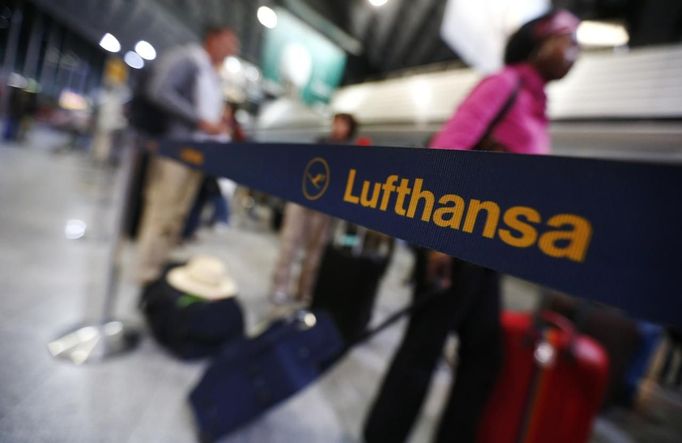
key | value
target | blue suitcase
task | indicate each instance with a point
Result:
(252, 375)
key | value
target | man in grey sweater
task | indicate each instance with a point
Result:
(186, 87)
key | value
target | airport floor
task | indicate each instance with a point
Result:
(49, 283)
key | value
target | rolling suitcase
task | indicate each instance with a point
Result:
(348, 279)
(252, 375)
(551, 385)
(618, 334)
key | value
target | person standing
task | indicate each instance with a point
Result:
(186, 87)
(109, 121)
(305, 230)
(504, 112)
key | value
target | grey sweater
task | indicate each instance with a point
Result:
(172, 87)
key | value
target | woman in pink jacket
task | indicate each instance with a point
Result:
(504, 112)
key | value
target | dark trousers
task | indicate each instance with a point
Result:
(12, 127)
(208, 193)
(470, 308)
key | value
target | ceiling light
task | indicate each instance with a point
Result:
(267, 17)
(602, 34)
(110, 43)
(133, 60)
(145, 50)
(378, 3)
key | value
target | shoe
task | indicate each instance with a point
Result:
(221, 228)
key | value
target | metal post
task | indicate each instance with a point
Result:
(106, 337)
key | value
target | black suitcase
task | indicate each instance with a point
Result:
(134, 206)
(349, 276)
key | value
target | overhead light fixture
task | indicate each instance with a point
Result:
(591, 33)
(110, 43)
(133, 60)
(145, 50)
(267, 17)
(378, 3)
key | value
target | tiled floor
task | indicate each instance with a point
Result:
(48, 283)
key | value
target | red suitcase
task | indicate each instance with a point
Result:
(551, 386)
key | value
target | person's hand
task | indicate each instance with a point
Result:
(438, 269)
(212, 128)
(491, 145)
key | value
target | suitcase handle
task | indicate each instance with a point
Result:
(545, 355)
(557, 321)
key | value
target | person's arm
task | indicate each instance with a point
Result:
(466, 127)
(166, 91)
(167, 85)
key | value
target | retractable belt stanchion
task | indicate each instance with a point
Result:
(603, 230)
(106, 336)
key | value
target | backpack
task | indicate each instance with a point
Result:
(189, 327)
(143, 114)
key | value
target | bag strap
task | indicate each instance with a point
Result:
(504, 110)
(412, 307)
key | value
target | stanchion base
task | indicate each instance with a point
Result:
(88, 343)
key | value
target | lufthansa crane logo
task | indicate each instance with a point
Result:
(315, 178)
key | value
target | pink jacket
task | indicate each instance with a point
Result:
(523, 130)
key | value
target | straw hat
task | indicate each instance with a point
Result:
(203, 276)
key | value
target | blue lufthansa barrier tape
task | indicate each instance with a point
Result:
(606, 230)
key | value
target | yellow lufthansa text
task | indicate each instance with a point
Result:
(192, 156)
(561, 236)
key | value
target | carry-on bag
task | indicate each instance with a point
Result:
(349, 275)
(186, 324)
(250, 376)
(617, 333)
(551, 385)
